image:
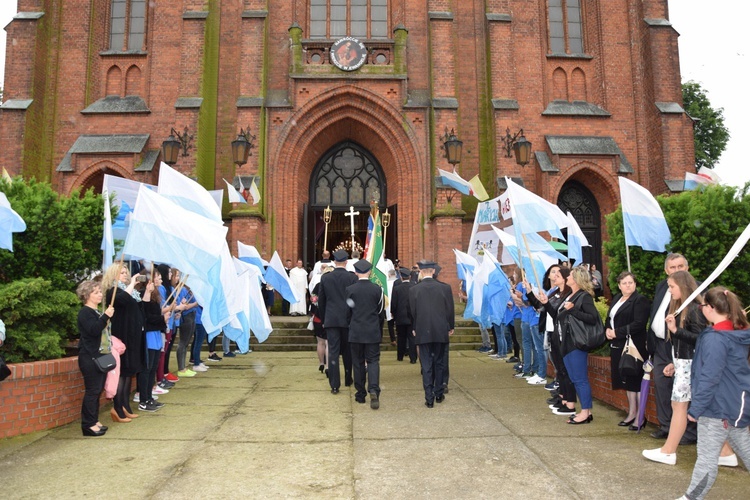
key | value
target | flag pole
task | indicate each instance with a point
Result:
(627, 254)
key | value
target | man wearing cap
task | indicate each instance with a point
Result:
(432, 320)
(400, 312)
(365, 301)
(333, 312)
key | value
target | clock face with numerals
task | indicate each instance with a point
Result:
(348, 54)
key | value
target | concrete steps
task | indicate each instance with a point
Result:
(291, 334)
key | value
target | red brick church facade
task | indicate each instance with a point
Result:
(95, 86)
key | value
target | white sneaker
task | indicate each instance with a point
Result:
(137, 397)
(204, 365)
(159, 390)
(537, 380)
(494, 356)
(657, 456)
(199, 368)
(728, 461)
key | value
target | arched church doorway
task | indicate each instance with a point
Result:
(578, 200)
(347, 175)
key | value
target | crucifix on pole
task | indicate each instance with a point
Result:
(351, 213)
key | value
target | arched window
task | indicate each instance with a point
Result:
(127, 29)
(357, 18)
(565, 26)
(347, 175)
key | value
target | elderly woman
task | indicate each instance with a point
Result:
(90, 326)
(127, 325)
(627, 317)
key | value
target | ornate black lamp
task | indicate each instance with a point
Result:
(170, 148)
(519, 145)
(241, 146)
(453, 147)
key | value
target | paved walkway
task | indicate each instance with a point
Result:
(265, 425)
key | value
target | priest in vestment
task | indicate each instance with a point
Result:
(298, 277)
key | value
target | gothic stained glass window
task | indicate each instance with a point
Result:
(565, 26)
(347, 175)
(358, 18)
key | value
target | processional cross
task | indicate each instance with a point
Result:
(351, 213)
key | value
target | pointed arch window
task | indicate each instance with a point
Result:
(565, 26)
(347, 175)
(127, 28)
(358, 18)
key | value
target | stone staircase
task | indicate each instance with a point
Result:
(290, 333)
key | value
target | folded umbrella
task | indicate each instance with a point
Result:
(645, 386)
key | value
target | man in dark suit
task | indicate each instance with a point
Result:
(400, 313)
(432, 320)
(365, 301)
(660, 349)
(333, 312)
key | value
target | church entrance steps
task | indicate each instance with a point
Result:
(290, 333)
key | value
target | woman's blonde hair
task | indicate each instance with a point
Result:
(583, 279)
(112, 276)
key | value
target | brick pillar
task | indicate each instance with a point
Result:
(248, 228)
(447, 223)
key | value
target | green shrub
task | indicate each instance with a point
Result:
(39, 319)
(63, 234)
(704, 225)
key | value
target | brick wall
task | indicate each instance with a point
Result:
(39, 396)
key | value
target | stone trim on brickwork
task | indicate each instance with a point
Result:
(545, 164)
(502, 184)
(249, 102)
(447, 16)
(116, 104)
(195, 15)
(511, 104)
(98, 144)
(149, 160)
(588, 145)
(445, 103)
(575, 108)
(17, 104)
(675, 185)
(28, 16)
(499, 18)
(670, 108)
(255, 14)
(188, 102)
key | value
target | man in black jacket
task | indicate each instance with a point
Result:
(333, 312)
(400, 313)
(660, 349)
(365, 301)
(432, 320)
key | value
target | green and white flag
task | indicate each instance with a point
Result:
(379, 274)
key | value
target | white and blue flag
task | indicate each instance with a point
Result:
(645, 225)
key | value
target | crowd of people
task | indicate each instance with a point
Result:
(698, 350)
(701, 374)
(145, 315)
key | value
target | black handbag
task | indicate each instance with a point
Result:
(4, 370)
(585, 337)
(105, 362)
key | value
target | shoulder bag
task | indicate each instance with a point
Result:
(105, 361)
(585, 337)
(631, 361)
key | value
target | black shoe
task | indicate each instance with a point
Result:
(348, 381)
(429, 404)
(88, 431)
(360, 400)
(413, 361)
(552, 401)
(625, 423)
(445, 389)
(334, 391)
(400, 359)
(555, 393)
(659, 434)
(587, 420)
(687, 441)
(636, 428)
(321, 368)
(439, 399)
(374, 401)
(148, 406)
(512, 359)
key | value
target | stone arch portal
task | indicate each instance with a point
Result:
(340, 119)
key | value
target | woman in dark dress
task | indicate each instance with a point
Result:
(127, 325)
(90, 326)
(627, 316)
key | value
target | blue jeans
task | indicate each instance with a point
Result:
(200, 337)
(502, 342)
(540, 359)
(576, 363)
(527, 348)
